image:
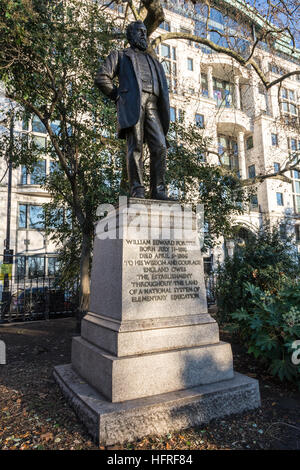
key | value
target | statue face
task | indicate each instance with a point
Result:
(139, 37)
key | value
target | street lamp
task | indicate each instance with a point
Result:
(8, 252)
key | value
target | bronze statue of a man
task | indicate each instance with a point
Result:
(143, 108)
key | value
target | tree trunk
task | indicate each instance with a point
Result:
(84, 289)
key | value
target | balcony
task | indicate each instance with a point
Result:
(231, 120)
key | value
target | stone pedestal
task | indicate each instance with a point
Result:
(148, 333)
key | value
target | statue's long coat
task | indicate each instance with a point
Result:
(128, 95)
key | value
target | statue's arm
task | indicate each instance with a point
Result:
(106, 74)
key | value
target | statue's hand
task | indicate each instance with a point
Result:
(114, 94)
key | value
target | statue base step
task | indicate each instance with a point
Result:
(112, 423)
(128, 378)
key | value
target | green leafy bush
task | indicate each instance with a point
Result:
(264, 261)
(270, 325)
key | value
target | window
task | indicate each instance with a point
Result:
(294, 147)
(223, 92)
(53, 266)
(176, 114)
(36, 217)
(274, 140)
(216, 16)
(31, 216)
(217, 36)
(228, 151)
(249, 142)
(190, 64)
(166, 51)
(296, 190)
(22, 216)
(172, 114)
(37, 174)
(36, 266)
(251, 171)
(294, 144)
(38, 126)
(274, 68)
(279, 198)
(204, 85)
(199, 119)
(168, 61)
(200, 31)
(24, 175)
(297, 232)
(254, 202)
(166, 25)
(288, 103)
(276, 167)
(297, 204)
(21, 267)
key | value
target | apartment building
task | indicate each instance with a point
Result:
(255, 131)
(34, 252)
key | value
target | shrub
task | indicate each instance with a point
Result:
(264, 261)
(270, 325)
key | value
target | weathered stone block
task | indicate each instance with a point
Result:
(111, 423)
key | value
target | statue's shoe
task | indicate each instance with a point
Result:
(161, 196)
(138, 193)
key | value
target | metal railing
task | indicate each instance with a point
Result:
(36, 298)
(210, 285)
(33, 295)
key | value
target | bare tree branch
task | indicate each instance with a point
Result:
(155, 15)
(224, 50)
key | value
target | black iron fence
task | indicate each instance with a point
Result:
(210, 285)
(36, 298)
(31, 294)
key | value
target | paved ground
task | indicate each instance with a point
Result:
(35, 415)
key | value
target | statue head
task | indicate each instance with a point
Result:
(136, 34)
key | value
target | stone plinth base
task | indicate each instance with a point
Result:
(111, 423)
(128, 378)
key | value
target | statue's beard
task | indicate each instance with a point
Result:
(141, 44)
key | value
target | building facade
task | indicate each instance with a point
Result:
(253, 130)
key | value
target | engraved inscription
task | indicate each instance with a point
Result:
(163, 271)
